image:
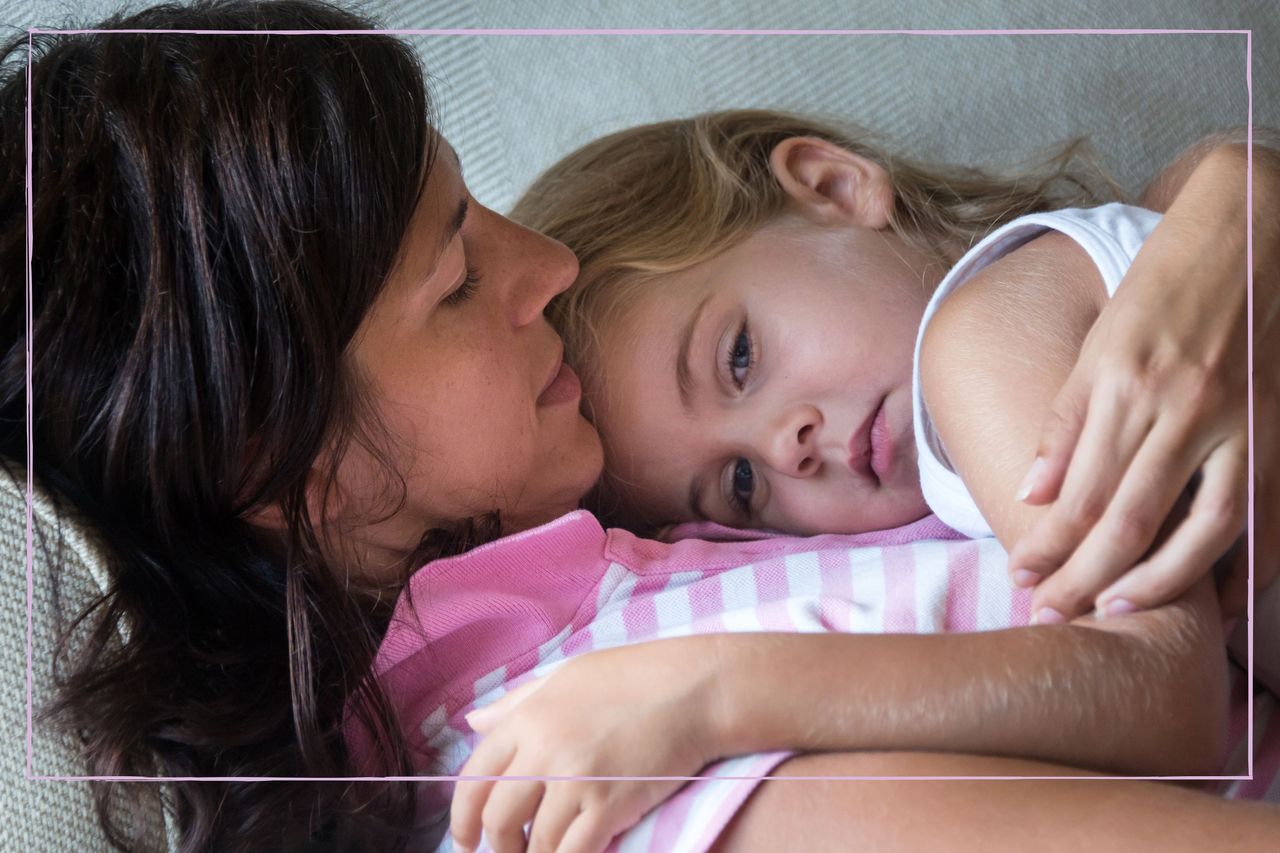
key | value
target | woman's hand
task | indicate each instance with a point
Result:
(1157, 398)
(643, 710)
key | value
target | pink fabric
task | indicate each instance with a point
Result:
(962, 588)
(468, 629)
(900, 585)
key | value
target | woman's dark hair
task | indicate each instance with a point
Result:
(212, 217)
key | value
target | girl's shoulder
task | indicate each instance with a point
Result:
(1096, 245)
(1031, 305)
(1043, 274)
(996, 351)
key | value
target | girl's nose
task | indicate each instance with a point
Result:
(792, 448)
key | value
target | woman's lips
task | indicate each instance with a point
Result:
(563, 386)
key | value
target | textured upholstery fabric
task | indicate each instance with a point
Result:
(45, 815)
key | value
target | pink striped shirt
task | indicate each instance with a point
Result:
(468, 629)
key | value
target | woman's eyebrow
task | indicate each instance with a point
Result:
(460, 213)
(684, 376)
(450, 231)
(455, 224)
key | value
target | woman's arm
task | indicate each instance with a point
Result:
(1176, 323)
(1068, 815)
(1145, 698)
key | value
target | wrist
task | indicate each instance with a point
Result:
(744, 694)
(724, 697)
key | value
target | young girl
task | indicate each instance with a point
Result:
(822, 252)
(750, 300)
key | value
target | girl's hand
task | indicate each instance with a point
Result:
(643, 710)
(1157, 398)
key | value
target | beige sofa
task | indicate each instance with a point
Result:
(46, 815)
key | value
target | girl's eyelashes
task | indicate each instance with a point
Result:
(742, 486)
(740, 356)
(465, 289)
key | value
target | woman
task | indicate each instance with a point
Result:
(261, 374)
(218, 255)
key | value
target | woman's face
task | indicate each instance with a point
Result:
(466, 379)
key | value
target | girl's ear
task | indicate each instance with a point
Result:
(830, 184)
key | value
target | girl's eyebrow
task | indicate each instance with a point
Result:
(684, 376)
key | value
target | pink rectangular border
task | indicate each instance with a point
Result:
(1248, 77)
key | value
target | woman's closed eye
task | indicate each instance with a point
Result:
(465, 288)
(740, 357)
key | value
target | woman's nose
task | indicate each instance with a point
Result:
(545, 268)
(792, 447)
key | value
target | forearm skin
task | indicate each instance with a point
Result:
(1053, 816)
(1114, 700)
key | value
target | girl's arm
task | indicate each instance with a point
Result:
(993, 359)
(1174, 329)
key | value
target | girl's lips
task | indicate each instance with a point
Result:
(862, 445)
(562, 388)
(881, 441)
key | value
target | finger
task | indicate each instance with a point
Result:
(1214, 523)
(561, 804)
(587, 834)
(1139, 508)
(512, 804)
(490, 758)
(1266, 507)
(1058, 439)
(1233, 591)
(1104, 453)
(483, 720)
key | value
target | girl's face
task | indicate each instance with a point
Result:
(466, 377)
(770, 386)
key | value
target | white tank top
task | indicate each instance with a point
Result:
(1110, 234)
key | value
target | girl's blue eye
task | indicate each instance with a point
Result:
(740, 357)
(465, 290)
(744, 482)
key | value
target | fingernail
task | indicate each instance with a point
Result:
(1029, 481)
(1047, 616)
(1117, 607)
(1026, 578)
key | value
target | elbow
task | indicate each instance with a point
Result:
(1176, 658)
(1206, 752)
(1193, 740)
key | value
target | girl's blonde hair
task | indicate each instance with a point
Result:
(658, 198)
